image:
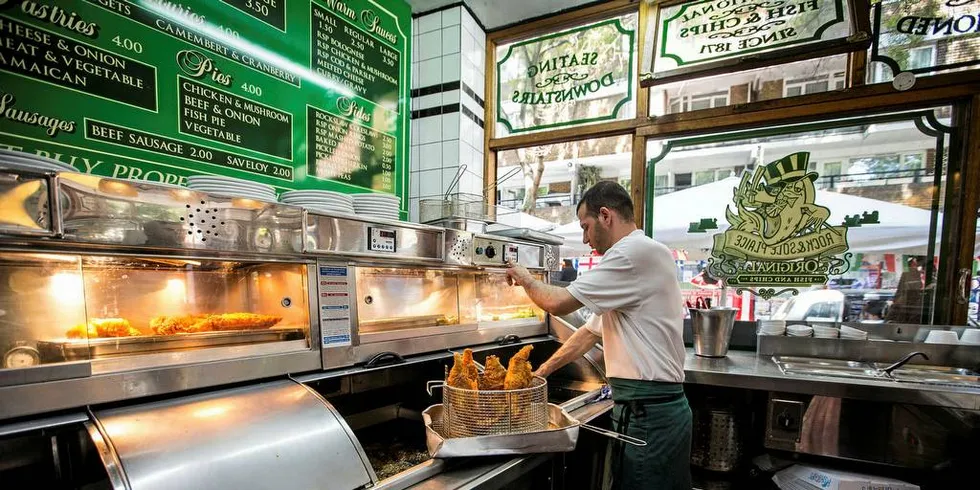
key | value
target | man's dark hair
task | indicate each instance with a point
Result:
(607, 194)
(567, 262)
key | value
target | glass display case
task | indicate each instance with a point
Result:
(65, 307)
(497, 302)
(392, 300)
(395, 299)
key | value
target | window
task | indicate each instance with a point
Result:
(813, 85)
(922, 57)
(546, 82)
(682, 180)
(704, 177)
(748, 86)
(543, 195)
(863, 194)
(660, 184)
(697, 102)
(827, 311)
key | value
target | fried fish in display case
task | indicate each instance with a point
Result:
(66, 307)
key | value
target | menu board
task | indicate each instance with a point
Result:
(299, 94)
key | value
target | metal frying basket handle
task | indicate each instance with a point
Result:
(615, 435)
(455, 181)
(493, 185)
(430, 385)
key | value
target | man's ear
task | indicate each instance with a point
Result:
(600, 215)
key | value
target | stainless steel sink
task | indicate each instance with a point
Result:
(826, 367)
(941, 375)
(909, 373)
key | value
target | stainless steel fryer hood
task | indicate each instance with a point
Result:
(271, 435)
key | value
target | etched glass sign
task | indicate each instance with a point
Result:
(699, 33)
(925, 36)
(571, 77)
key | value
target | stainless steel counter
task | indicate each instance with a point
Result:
(742, 369)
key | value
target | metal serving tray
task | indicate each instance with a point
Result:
(561, 436)
(81, 349)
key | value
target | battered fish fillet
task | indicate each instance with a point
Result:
(239, 321)
(464, 373)
(174, 324)
(493, 374)
(519, 371)
(170, 325)
(82, 331)
(103, 327)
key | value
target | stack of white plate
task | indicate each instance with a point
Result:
(851, 333)
(231, 187)
(329, 202)
(27, 161)
(822, 332)
(376, 205)
(772, 327)
(799, 331)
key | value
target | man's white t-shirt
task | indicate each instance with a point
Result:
(638, 310)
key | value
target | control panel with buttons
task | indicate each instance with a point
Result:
(489, 251)
(382, 240)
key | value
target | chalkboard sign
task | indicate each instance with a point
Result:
(299, 94)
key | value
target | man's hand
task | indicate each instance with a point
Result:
(518, 275)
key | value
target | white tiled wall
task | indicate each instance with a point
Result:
(449, 50)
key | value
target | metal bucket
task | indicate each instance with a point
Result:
(712, 330)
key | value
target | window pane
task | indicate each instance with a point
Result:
(925, 36)
(699, 33)
(583, 75)
(698, 104)
(545, 191)
(873, 216)
(816, 87)
(682, 180)
(921, 58)
(748, 86)
(705, 177)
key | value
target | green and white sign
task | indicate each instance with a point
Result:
(703, 31)
(577, 76)
(778, 235)
(299, 94)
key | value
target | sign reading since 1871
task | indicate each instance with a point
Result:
(711, 30)
(778, 235)
(572, 77)
(298, 94)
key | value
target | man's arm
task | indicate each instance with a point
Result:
(578, 344)
(553, 299)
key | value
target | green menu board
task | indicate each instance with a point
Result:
(299, 94)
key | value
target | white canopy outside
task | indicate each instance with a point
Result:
(903, 229)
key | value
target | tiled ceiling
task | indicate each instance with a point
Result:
(498, 13)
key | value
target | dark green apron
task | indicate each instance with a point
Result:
(657, 413)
